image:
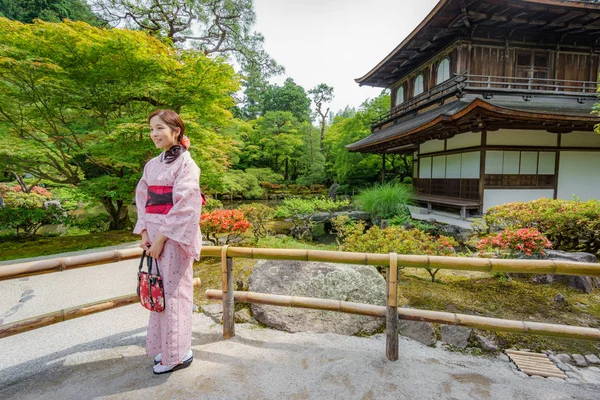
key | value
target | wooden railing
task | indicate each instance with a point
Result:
(390, 311)
(488, 85)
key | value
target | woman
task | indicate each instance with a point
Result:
(169, 202)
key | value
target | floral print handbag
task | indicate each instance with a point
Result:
(150, 286)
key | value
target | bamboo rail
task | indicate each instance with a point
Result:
(66, 263)
(490, 265)
(66, 314)
(412, 261)
(472, 321)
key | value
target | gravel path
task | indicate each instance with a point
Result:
(102, 356)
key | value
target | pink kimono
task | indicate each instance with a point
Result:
(177, 185)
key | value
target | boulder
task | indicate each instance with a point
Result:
(461, 235)
(486, 344)
(592, 359)
(353, 283)
(456, 335)
(584, 283)
(214, 311)
(580, 360)
(359, 215)
(243, 316)
(332, 192)
(422, 332)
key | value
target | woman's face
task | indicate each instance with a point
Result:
(161, 134)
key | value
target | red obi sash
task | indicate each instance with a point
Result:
(159, 200)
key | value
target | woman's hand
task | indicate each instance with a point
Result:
(157, 247)
(145, 243)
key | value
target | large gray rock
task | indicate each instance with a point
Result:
(214, 311)
(353, 283)
(461, 235)
(420, 331)
(456, 335)
(584, 283)
(580, 360)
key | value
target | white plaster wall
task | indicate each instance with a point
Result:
(470, 165)
(425, 168)
(453, 165)
(579, 175)
(431, 146)
(463, 140)
(494, 197)
(438, 170)
(516, 137)
(580, 139)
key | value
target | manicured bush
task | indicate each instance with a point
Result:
(229, 222)
(385, 201)
(26, 212)
(510, 242)
(571, 225)
(211, 205)
(393, 240)
(301, 212)
(95, 224)
(258, 215)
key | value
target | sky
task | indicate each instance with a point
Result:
(335, 41)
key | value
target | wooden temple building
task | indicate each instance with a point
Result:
(494, 99)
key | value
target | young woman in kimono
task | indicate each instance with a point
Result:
(169, 203)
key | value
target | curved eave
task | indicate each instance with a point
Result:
(490, 110)
(369, 78)
(398, 48)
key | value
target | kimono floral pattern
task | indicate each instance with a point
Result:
(170, 331)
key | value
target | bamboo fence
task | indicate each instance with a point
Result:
(391, 312)
(66, 314)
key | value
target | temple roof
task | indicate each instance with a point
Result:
(473, 113)
(540, 21)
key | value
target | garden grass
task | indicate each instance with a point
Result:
(41, 246)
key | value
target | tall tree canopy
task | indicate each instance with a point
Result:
(289, 97)
(354, 168)
(48, 10)
(212, 26)
(74, 101)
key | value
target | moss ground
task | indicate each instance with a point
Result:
(25, 247)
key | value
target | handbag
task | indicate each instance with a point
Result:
(150, 286)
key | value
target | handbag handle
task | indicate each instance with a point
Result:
(148, 263)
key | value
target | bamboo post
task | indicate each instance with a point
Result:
(228, 301)
(391, 317)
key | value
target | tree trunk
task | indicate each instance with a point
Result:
(119, 215)
(323, 129)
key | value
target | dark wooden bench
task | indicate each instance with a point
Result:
(464, 205)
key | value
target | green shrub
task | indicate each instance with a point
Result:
(398, 240)
(571, 225)
(387, 200)
(265, 174)
(26, 212)
(301, 212)
(211, 205)
(258, 215)
(95, 224)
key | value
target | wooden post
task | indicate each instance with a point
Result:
(382, 168)
(227, 288)
(391, 320)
